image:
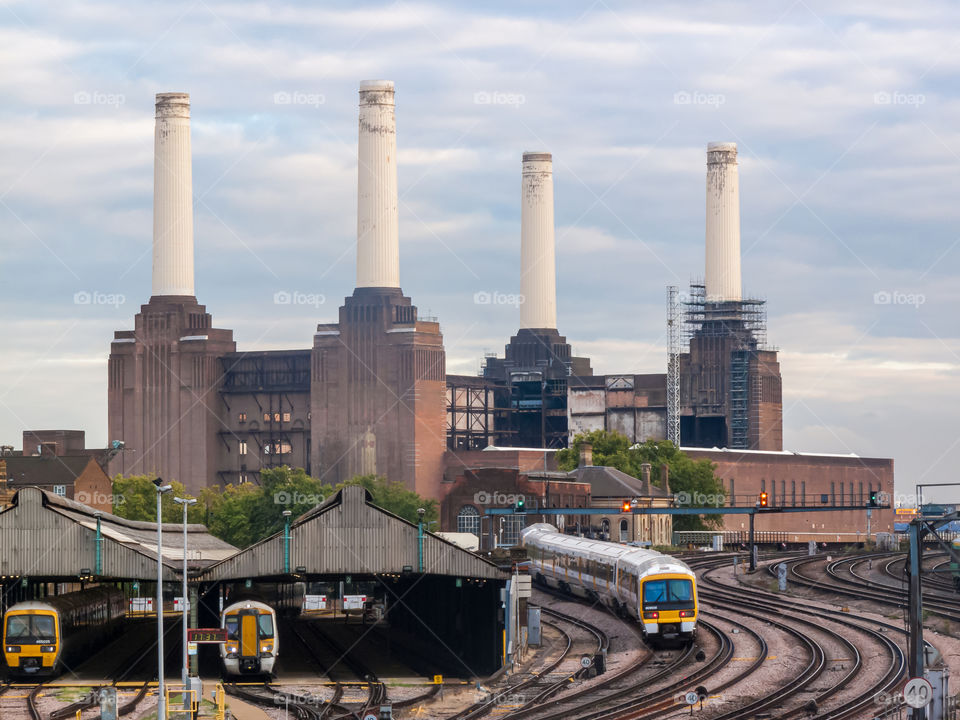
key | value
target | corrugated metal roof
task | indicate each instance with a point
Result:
(44, 535)
(348, 534)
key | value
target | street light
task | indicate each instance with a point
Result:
(161, 708)
(185, 674)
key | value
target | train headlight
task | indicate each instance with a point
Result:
(48, 648)
(13, 648)
(686, 613)
(651, 615)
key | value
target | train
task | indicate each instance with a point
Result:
(42, 637)
(656, 590)
(253, 642)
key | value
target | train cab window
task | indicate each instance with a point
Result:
(18, 626)
(25, 628)
(231, 625)
(266, 625)
(656, 591)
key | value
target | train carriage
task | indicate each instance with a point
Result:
(253, 644)
(42, 637)
(656, 590)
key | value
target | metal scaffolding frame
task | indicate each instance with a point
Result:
(674, 322)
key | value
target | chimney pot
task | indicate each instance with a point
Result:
(645, 477)
(586, 455)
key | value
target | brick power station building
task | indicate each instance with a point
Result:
(370, 394)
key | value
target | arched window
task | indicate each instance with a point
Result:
(605, 529)
(468, 520)
(624, 533)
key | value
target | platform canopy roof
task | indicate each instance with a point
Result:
(43, 535)
(349, 535)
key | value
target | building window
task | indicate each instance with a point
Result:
(783, 492)
(243, 478)
(266, 417)
(733, 491)
(241, 417)
(793, 493)
(242, 447)
(468, 520)
(833, 494)
(286, 417)
(861, 493)
(803, 493)
(852, 499)
(605, 529)
(276, 417)
(510, 527)
(60, 490)
(624, 532)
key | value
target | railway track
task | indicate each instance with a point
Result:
(877, 633)
(541, 677)
(32, 708)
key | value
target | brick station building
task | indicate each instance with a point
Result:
(793, 479)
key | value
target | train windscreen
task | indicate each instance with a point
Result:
(658, 592)
(266, 625)
(26, 629)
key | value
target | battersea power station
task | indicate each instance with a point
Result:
(370, 393)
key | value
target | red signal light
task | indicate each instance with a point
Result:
(626, 506)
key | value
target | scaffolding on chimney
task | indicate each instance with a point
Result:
(744, 323)
(673, 365)
(744, 319)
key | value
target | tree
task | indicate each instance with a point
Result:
(245, 514)
(691, 480)
(135, 498)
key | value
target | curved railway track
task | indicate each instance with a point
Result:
(768, 603)
(540, 678)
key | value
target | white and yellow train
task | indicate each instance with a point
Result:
(658, 591)
(253, 642)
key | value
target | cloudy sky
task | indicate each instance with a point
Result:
(847, 117)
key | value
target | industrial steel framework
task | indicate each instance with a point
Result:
(744, 322)
(673, 365)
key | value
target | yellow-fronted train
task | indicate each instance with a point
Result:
(656, 590)
(43, 637)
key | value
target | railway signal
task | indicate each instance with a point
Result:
(763, 499)
(874, 498)
(521, 505)
(625, 506)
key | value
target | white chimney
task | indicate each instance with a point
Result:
(172, 197)
(378, 240)
(723, 223)
(538, 265)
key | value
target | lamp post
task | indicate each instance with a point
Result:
(161, 705)
(286, 541)
(185, 674)
(98, 561)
